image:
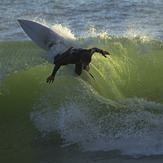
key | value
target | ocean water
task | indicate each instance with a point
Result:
(118, 118)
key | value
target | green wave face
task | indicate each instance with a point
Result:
(128, 112)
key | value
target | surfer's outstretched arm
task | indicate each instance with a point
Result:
(56, 68)
(51, 77)
(104, 53)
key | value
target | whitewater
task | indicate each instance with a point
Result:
(69, 119)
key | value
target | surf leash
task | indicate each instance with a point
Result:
(95, 83)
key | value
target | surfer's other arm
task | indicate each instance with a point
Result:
(51, 77)
(104, 53)
(56, 68)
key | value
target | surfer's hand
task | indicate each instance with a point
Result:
(105, 53)
(50, 79)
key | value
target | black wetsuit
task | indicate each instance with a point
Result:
(73, 56)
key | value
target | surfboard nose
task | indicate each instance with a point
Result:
(40, 34)
(21, 21)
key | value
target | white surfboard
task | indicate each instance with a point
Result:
(43, 36)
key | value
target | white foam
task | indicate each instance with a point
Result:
(134, 130)
(63, 31)
(67, 35)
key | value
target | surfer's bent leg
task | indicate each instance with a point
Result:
(86, 67)
(78, 68)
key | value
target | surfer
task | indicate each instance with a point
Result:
(80, 57)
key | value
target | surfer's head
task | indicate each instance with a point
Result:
(86, 58)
